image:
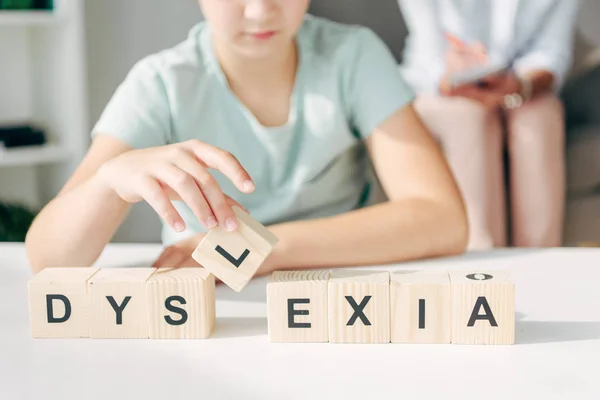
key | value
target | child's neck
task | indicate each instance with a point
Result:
(266, 73)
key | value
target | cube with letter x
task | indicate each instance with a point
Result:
(359, 306)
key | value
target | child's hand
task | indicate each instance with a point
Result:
(178, 172)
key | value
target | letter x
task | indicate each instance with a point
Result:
(358, 310)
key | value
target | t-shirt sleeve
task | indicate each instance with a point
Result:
(375, 89)
(138, 113)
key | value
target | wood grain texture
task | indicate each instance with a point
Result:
(191, 291)
(485, 300)
(67, 288)
(420, 307)
(247, 248)
(127, 289)
(297, 306)
(367, 292)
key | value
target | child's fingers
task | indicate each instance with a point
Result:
(205, 181)
(218, 203)
(213, 195)
(186, 187)
(153, 193)
(224, 162)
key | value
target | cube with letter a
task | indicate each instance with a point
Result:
(483, 307)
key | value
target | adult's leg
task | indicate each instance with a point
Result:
(536, 144)
(472, 139)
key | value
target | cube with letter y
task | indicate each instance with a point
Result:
(359, 306)
(234, 257)
(117, 303)
(297, 304)
(58, 303)
(181, 303)
(483, 307)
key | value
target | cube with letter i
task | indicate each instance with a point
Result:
(297, 304)
(359, 306)
(181, 303)
(117, 303)
(483, 307)
(58, 303)
(420, 307)
(234, 257)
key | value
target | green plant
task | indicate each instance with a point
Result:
(16, 4)
(15, 221)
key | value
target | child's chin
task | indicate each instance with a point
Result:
(260, 48)
(257, 51)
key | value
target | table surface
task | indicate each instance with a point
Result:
(556, 355)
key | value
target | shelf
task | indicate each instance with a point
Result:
(29, 18)
(33, 155)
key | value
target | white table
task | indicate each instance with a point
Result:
(557, 354)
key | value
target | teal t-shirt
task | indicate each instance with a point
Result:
(313, 166)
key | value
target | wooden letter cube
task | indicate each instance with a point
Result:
(359, 306)
(117, 303)
(483, 307)
(420, 307)
(58, 303)
(234, 257)
(297, 304)
(181, 303)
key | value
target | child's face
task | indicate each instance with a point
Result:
(255, 28)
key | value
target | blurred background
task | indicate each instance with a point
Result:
(61, 60)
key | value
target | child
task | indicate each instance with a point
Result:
(266, 107)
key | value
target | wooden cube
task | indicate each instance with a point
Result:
(58, 303)
(420, 307)
(117, 303)
(483, 307)
(181, 303)
(234, 257)
(297, 304)
(359, 306)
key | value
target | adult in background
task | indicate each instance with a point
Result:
(515, 108)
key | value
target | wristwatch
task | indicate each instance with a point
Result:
(516, 100)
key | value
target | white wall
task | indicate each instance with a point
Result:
(588, 20)
(120, 32)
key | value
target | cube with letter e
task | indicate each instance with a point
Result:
(297, 304)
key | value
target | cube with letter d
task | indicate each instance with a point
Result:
(58, 303)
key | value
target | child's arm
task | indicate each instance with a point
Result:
(74, 228)
(425, 215)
